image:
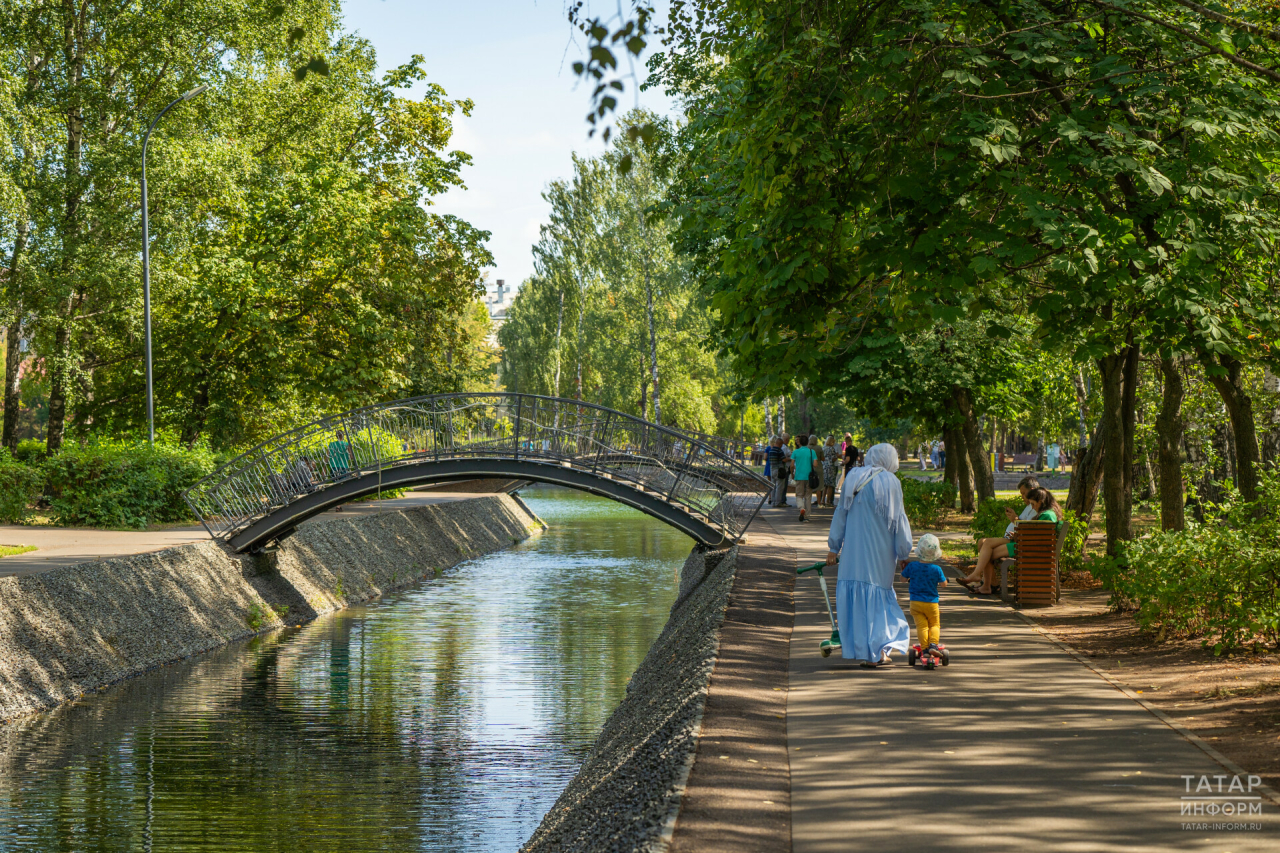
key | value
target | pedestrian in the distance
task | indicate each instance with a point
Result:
(804, 461)
(339, 458)
(831, 471)
(778, 465)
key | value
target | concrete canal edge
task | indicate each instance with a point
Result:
(71, 631)
(695, 756)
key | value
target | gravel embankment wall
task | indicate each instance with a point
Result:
(70, 631)
(627, 794)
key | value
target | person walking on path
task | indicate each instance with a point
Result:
(1052, 452)
(778, 464)
(870, 539)
(831, 471)
(804, 460)
(339, 457)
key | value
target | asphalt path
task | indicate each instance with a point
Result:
(1015, 746)
(57, 547)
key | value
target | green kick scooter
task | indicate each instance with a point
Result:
(827, 646)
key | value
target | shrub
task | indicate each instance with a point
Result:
(1072, 559)
(989, 519)
(30, 451)
(925, 501)
(20, 486)
(114, 484)
(1219, 580)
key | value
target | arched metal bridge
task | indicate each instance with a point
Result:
(264, 494)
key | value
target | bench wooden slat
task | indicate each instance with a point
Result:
(1038, 545)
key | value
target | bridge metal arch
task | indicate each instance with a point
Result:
(673, 476)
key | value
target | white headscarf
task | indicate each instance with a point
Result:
(881, 459)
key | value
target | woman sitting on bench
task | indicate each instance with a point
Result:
(1046, 509)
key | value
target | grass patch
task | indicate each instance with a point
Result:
(11, 550)
(957, 548)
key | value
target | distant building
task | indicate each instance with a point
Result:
(498, 298)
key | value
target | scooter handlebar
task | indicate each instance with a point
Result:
(819, 566)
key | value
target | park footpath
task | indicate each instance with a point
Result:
(57, 547)
(1016, 746)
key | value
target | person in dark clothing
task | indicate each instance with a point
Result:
(780, 468)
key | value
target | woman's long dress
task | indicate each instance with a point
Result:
(871, 537)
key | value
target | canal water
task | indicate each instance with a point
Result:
(445, 717)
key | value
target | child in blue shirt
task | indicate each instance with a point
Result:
(925, 577)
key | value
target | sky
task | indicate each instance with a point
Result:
(514, 59)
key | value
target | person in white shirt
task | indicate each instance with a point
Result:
(1025, 485)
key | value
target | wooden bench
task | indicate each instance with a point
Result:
(1025, 461)
(1039, 549)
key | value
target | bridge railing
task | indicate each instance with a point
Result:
(663, 462)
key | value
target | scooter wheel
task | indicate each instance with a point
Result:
(911, 656)
(826, 652)
(946, 658)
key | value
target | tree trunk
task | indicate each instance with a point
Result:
(1169, 428)
(983, 483)
(949, 469)
(653, 344)
(74, 36)
(555, 390)
(806, 412)
(958, 455)
(58, 389)
(12, 399)
(1086, 477)
(1117, 461)
(577, 346)
(1149, 474)
(768, 419)
(199, 413)
(1129, 419)
(1240, 410)
(644, 381)
(999, 437)
(782, 415)
(13, 340)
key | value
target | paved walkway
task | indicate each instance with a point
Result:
(1016, 746)
(66, 546)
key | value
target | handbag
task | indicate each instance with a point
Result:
(814, 480)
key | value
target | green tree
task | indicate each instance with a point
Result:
(1078, 164)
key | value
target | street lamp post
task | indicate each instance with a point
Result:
(146, 262)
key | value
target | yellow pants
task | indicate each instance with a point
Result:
(928, 621)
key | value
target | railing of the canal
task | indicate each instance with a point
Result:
(681, 469)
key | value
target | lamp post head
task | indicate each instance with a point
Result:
(198, 90)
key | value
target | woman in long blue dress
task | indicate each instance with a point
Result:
(870, 537)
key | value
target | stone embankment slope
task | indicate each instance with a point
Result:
(74, 630)
(627, 793)
(694, 758)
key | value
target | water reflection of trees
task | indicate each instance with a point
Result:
(417, 726)
(214, 759)
(617, 600)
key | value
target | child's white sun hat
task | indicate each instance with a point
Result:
(928, 547)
